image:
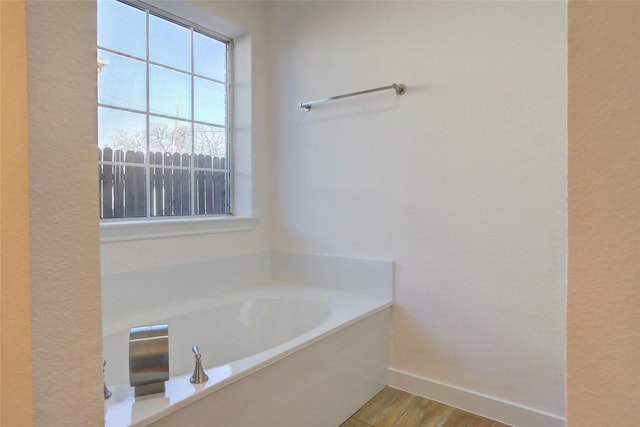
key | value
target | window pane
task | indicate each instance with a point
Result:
(169, 43)
(209, 102)
(210, 186)
(170, 186)
(170, 179)
(209, 57)
(169, 135)
(135, 184)
(121, 130)
(169, 92)
(122, 81)
(122, 186)
(210, 140)
(122, 28)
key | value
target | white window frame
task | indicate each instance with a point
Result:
(123, 229)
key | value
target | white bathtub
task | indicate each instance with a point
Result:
(275, 356)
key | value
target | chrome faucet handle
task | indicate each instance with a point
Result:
(107, 393)
(199, 376)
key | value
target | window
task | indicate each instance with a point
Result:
(163, 115)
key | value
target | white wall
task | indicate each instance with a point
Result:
(462, 181)
(247, 22)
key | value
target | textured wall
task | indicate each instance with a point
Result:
(15, 295)
(461, 181)
(65, 261)
(603, 313)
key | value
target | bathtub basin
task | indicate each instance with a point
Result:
(261, 346)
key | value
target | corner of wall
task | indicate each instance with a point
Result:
(65, 258)
(603, 349)
(16, 394)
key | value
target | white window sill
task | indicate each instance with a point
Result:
(157, 228)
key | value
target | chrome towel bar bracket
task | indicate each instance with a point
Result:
(399, 88)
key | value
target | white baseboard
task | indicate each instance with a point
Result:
(486, 406)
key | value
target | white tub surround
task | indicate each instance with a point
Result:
(268, 342)
(138, 291)
(368, 276)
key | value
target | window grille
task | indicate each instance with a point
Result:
(163, 115)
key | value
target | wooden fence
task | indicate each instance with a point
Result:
(123, 184)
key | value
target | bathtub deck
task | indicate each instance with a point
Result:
(395, 408)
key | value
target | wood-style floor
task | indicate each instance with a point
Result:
(395, 408)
